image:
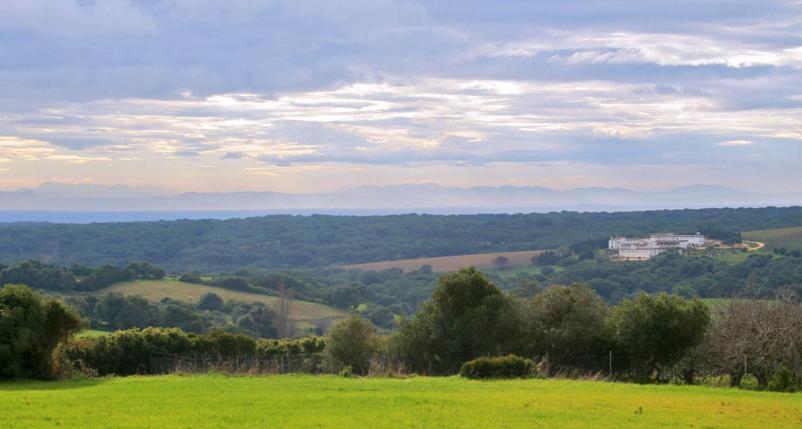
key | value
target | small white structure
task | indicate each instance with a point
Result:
(655, 244)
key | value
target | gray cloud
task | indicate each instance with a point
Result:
(390, 82)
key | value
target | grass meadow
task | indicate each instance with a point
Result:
(789, 238)
(302, 313)
(452, 263)
(331, 401)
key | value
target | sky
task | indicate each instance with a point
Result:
(316, 96)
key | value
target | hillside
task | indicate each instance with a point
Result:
(316, 241)
(788, 238)
(327, 401)
(452, 263)
(302, 313)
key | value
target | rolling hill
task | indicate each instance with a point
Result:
(302, 313)
(452, 263)
(213, 246)
(789, 238)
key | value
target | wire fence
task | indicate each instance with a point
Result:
(197, 364)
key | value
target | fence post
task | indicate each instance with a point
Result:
(611, 364)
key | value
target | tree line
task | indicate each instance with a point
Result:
(317, 241)
(568, 330)
(75, 278)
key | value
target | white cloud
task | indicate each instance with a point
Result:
(665, 49)
(735, 143)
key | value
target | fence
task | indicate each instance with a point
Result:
(278, 364)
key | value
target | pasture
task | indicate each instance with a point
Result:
(789, 238)
(330, 401)
(452, 263)
(302, 313)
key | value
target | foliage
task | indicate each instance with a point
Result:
(655, 331)
(749, 382)
(510, 366)
(784, 380)
(77, 278)
(567, 325)
(31, 326)
(210, 301)
(283, 241)
(467, 317)
(134, 351)
(763, 338)
(352, 343)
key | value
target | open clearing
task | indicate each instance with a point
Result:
(330, 401)
(451, 263)
(789, 238)
(302, 313)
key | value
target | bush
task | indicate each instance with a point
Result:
(749, 382)
(352, 343)
(722, 381)
(510, 366)
(31, 327)
(783, 380)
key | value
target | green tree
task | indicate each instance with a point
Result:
(210, 301)
(467, 317)
(31, 327)
(656, 331)
(568, 325)
(353, 343)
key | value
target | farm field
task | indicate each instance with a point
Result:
(451, 263)
(330, 401)
(789, 238)
(92, 333)
(302, 313)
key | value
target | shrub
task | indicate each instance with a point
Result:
(31, 327)
(352, 343)
(783, 380)
(716, 381)
(749, 382)
(510, 366)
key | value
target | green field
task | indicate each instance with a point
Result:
(91, 333)
(330, 401)
(789, 238)
(302, 313)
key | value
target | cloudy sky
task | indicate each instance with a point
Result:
(303, 96)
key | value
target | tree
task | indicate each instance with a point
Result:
(145, 271)
(656, 331)
(757, 337)
(210, 301)
(31, 326)
(281, 312)
(567, 324)
(353, 343)
(501, 262)
(467, 317)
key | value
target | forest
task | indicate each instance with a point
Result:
(283, 241)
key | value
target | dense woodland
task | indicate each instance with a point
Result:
(317, 241)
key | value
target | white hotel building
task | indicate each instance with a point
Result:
(655, 244)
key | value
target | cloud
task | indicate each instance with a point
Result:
(20, 149)
(389, 84)
(735, 143)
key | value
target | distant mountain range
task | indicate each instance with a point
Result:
(425, 198)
